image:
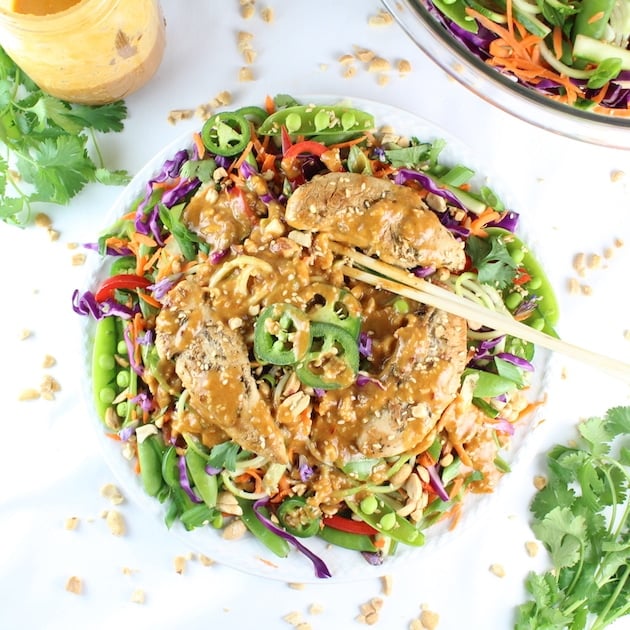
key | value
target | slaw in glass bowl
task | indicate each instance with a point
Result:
(426, 26)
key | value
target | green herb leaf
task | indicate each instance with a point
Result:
(492, 260)
(582, 517)
(46, 142)
(224, 455)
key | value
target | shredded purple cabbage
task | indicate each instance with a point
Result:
(375, 558)
(321, 570)
(85, 304)
(212, 470)
(515, 360)
(162, 287)
(365, 345)
(363, 379)
(423, 272)
(508, 222)
(184, 482)
(483, 350)
(503, 426)
(306, 471)
(405, 174)
(436, 483)
(218, 255)
(135, 366)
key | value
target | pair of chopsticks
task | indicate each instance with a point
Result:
(399, 281)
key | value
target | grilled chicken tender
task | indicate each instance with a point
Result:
(377, 216)
(212, 363)
(418, 377)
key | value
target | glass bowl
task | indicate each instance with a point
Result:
(500, 90)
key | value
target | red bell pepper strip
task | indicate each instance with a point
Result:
(127, 281)
(349, 525)
(305, 146)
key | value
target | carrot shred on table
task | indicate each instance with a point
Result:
(270, 106)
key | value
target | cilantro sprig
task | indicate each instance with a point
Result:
(492, 259)
(582, 517)
(44, 144)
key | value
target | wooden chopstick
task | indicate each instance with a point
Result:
(403, 283)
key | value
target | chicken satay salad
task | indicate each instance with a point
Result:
(249, 378)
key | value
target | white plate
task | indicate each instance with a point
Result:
(248, 554)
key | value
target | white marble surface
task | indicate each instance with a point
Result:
(52, 467)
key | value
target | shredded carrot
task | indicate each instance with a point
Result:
(201, 147)
(347, 143)
(379, 543)
(455, 514)
(136, 467)
(487, 216)
(458, 482)
(246, 151)
(463, 455)
(113, 436)
(167, 184)
(520, 55)
(149, 299)
(596, 17)
(270, 106)
(143, 239)
(557, 41)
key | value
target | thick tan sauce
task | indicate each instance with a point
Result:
(42, 7)
(414, 370)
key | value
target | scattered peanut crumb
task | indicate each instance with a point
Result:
(383, 79)
(72, 245)
(78, 260)
(177, 115)
(626, 335)
(370, 611)
(49, 388)
(49, 361)
(42, 220)
(205, 561)
(298, 586)
(74, 585)
(349, 72)
(71, 523)
(115, 522)
(382, 18)
(531, 547)
(111, 492)
(245, 74)
(403, 66)
(497, 570)
(429, 618)
(25, 334)
(315, 609)
(573, 286)
(386, 582)
(586, 289)
(138, 597)
(29, 394)
(247, 11)
(540, 482)
(364, 55)
(179, 562)
(267, 15)
(53, 235)
(129, 571)
(378, 64)
(617, 176)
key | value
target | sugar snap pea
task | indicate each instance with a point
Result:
(205, 484)
(150, 453)
(347, 540)
(104, 365)
(273, 542)
(317, 120)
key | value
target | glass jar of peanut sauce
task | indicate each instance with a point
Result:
(84, 51)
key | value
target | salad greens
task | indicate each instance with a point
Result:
(205, 480)
(45, 142)
(582, 516)
(573, 51)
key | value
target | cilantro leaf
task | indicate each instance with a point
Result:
(491, 258)
(45, 140)
(224, 455)
(59, 168)
(102, 118)
(582, 517)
